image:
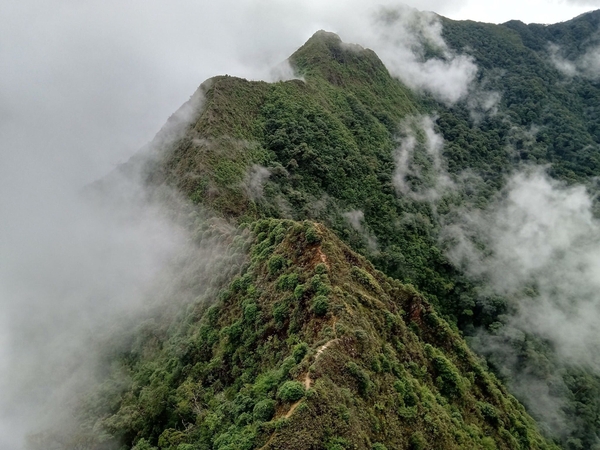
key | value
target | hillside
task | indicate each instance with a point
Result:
(343, 326)
(309, 347)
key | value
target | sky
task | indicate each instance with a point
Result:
(83, 85)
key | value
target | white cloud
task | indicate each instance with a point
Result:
(356, 219)
(541, 252)
(83, 86)
(420, 171)
(586, 66)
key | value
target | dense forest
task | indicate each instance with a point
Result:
(337, 317)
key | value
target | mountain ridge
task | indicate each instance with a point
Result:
(306, 171)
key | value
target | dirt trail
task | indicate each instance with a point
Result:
(307, 381)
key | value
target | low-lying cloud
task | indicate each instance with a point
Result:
(587, 65)
(420, 171)
(77, 266)
(356, 219)
(411, 45)
(542, 250)
(537, 246)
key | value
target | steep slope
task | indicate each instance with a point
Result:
(308, 348)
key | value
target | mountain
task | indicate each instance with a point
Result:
(336, 319)
(311, 347)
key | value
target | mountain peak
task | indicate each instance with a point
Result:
(326, 55)
(324, 35)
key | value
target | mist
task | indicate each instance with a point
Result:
(420, 171)
(79, 265)
(586, 65)
(537, 246)
(69, 271)
(544, 254)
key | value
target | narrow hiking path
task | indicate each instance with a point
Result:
(307, 381)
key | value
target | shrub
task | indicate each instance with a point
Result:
(320, 284)
(418, 441)
(362, 377)
(264, 410)
(143, 444)
(275, 264)
(365, 278)
(250, 312)
(489, 412)
(287, 282)
(321, 269)
(299, 352)
(320, 305)
(299, 292)
(312, 235)
(281, 312)
(170, 438)
(449, 380)
(291, 391)
(337, 443)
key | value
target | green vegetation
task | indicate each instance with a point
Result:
(383, 371)
(372, 322)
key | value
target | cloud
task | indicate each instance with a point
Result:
(586, 65)
(538, 247)
(68, 273)
(411, 45)
(420, 171)
(255, 181)
(583, 2)
(283, 72)
(356, 219)
(83, 87)
(79, 266)
(482, 102)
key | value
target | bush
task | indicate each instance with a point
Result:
(489, 412)
(281, 311)
(299, 352)
(143, 444)
(287, 282)
(250, 312)
(449, 380)
(337, 443)
(264, 410)
(170, 438)
(418, 441)
(365, 278)
(312, 235)
(362, 377)
(320, 305)
(291, 391)
(320, 269)
(275, 264)
(299, 292)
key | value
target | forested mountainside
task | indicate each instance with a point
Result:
(339, 316)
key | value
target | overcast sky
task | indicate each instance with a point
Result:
(84, 84)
